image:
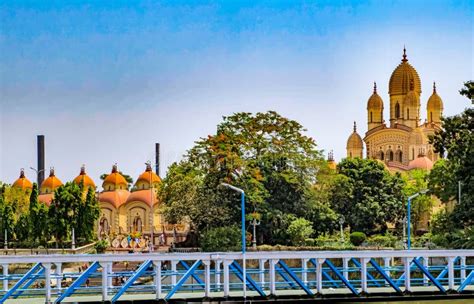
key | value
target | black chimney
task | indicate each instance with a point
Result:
(157, 159)
(40, 166)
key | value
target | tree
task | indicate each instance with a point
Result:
(64, 210)
(421, 206)
(299, 230)
(37, 218)
(265, 154)
(468, 90)
(456, 142)
(89, 212)
(368, 195)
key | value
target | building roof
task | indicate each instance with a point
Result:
(116, 198)
(115, 178)
(421, 162)
(147, 175)
(46, 198)
(375, 102)
(84, 178)
(142, 196)
(435, 102)
(52, 182)
(401, 78)
(22, 182)
(355, 141)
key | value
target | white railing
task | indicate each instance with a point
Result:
(216, 274)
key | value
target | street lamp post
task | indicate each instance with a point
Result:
(152, 207)
(342, 219)
(37, 173)
(409, 215)
(242, 203)
(255, 223)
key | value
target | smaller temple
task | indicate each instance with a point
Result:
(22, 182)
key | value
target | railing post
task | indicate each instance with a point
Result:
(105, 274)
(5, 275)
(426, 265)
(463, 268)
(47, 281)
(110, 272)
(157, 278)
(363, 274)
(173, 270)
(406, 262)
(272, 263)
(261, 269)
(386, 266)
(226, 277)
(58, 273)
(207, 278)
(345, 268)
(450, 273)
(319, 275)
(217, 264)
(304, 268)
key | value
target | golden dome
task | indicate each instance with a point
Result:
(355, 141)
(435, 102)
(145, 176)
(116, 198)
(421, 162)
(22, 182)
(84, 178)
(115, 178)
(51, 183)
(401, 78)
(375, 102)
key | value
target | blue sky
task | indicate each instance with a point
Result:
(104, 81)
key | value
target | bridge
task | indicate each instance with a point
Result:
(260, 276)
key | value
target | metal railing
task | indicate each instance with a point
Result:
(115, 277)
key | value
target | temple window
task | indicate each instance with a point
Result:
(370, 116)
(408, 113)
(431, 116)
(397, 110)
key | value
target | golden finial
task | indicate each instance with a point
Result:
(114, 168)
(434, 87)
(83, 170)
(51, 171)
(404, 55)
(22, 173)
(375, 87)
(355, 127)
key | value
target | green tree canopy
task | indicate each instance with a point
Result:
(367, 195)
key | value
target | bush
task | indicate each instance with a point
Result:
(101, 246)
(221, 239)
(387, 240)
(357, 238)
(299, 230)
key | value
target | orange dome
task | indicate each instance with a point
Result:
(116, 198)
(421, 162)
(84, 178)
(145, 176)
(115, 178)
(401, 78)
(22, 182)
(46, 198)
(51, 183)
(142, 196)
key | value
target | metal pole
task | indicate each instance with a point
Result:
(73, 245)
(408, 224)
(152, 212)
(5, 245)
(243, 244)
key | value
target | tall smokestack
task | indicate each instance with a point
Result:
(157, 159)
(40, 166)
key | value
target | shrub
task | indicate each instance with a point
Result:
(101, 246)
(387, 240)
(299, 230)
(221, 239)
(357, 238)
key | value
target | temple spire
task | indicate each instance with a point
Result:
(404, 55)
(375, 87)
(434, 87)
(355, 127)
